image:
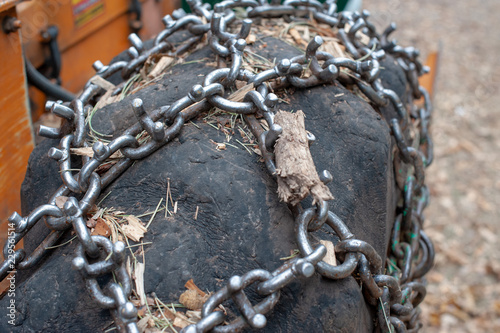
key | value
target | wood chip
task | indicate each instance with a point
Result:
(219, 146)
(240, 94)
(103, 83)
(107, 99)
(296, 37)
(134, 229)
(162, 64)
(307, 33)
(251, 39)
(330, 253)
(128, 266)
(364, 39)
(190, 285)
(196, 213)
(333, 47)
(87, 151)
(297, 176)
(139, 281)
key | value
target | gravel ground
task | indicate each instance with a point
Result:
(463, 218)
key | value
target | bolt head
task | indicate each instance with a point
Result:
(259, 321)
(318, 40)
(197, 91)
(71, 207)
(325, 176)
(99, 149)
(284, 65)
(55, 154)
(128, 311)
(119, 247)
(15, 218)
(137, 103)
(306, 269)
(240, 44)
(277, 129)
(235, 283)
(78, 263)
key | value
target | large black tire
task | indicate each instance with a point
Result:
(241, 224)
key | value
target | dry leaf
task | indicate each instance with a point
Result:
(169, 314)
(114, 233)
(143, 323)
(456, 257)
(151, 301)
(181, 320)
(142, 310)
(192, 300)
(101, 229)
(194, 315)
(134, 229)
(60, 201)
(153, 330)
(91, 223)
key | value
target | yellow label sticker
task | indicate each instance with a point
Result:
(85, 11)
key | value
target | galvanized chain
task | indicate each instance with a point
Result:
(396, 292)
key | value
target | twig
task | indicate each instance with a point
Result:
(128, 85)
(147, 243)
(369, 53)
(99, 203)
(385, 315)
(248, 150)
(163, 315)
(146, 214)
(56, 246)
(154, 214)
(293, 255)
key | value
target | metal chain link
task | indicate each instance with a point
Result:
(396, 291)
